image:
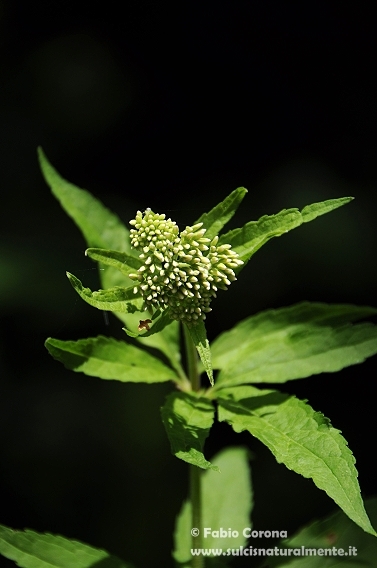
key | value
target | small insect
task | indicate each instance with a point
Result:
(144, 324)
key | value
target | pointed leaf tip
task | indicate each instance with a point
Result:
(247, 240)
(302, 439)
(214, 220)
(99, 226)
(116, 299)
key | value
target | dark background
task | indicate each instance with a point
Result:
(172, 107)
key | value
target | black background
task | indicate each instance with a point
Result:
(173, 106)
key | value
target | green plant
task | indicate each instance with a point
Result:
(157, 278)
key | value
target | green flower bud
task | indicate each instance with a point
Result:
(181, 271)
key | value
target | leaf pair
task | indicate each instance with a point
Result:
(300, 438)
(108, 238)
(110, 246)
(271, 347)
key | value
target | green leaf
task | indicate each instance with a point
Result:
(107, 358)
(314, 210)
(100, 227)
(199, 336)
(163, 337)
(335, 531)
(103, 229)
(167, 341)
(187, 419)
(248, 239)
(122, 261)
(226, 502)
(30, 549)
(302, 439)
(215, 220)
(156, 325)
(294, 342)
(115, 299)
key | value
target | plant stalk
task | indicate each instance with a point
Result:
(192, 360)
(196, 509)
(195, 472)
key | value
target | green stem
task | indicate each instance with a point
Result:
(192, 360)
(196, 507)
(195, 472)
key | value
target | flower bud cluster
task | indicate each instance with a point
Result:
(180, 271)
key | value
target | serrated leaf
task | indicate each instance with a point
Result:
(227, 501)
(314, 210)
(251, 237)
(198, 334)
(214, 220)
(115, 299)
(122, 261)
(294, 342)
(100, 227)
(336, 531)
(29, 549)
(302, 439)
(107, 358)
(188, 419)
